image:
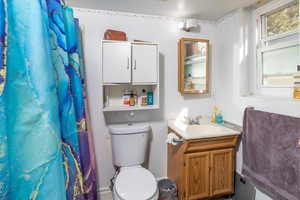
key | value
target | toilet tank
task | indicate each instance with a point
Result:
(129, 143)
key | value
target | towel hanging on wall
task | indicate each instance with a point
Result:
(271, 155)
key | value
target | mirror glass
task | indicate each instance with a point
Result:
(194, 66)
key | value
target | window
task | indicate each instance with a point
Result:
(278, 50)
(279, 66)
(283, 20)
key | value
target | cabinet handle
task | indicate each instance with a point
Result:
(134, 65)
(127, 62)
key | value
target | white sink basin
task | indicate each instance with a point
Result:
(200, 131)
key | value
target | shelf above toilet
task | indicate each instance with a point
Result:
(129, 108)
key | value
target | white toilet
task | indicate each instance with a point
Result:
(129, 144)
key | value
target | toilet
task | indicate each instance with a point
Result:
(129, 145)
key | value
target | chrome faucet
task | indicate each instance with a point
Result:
(194, 120)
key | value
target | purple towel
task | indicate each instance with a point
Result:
(271, 155)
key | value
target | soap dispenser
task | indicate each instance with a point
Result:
(219, 118)
(214, 114)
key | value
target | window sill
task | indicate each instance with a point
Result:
(270, 98)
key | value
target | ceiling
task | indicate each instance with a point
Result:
(201, 9)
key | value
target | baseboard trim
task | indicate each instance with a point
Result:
(104, 193)
(103, 190)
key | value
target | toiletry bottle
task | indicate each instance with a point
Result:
(219, 118)
(214, 114)
(135, 95)
(191, 85)
(150, 98)
(297, 83)
(126, 97)
(132, 100)
(143, 100)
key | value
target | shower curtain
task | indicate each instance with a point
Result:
(45, 148)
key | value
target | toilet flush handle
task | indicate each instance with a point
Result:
(178, 140)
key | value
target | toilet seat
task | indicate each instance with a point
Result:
(135, 183)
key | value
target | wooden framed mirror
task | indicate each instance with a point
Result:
(193, 67)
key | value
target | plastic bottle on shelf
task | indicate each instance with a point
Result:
(150, 98)
(143, 98)
(126, 97)
(132, 100)
(297, 83)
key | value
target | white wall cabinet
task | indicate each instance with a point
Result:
(144, 60)
(129, 65)
(116, 61)
(125, 62)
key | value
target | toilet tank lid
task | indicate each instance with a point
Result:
(127, 129)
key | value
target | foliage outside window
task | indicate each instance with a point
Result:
(283, 20)
(278, 47)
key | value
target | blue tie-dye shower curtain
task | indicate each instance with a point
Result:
(76, 75)
(4, 165)
(45, 151)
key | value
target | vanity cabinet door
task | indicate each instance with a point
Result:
(116, 61)
(197, 181)
(222, 172)
(144, 63)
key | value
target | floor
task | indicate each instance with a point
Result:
(107, 196)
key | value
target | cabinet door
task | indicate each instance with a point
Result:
(222, 172)
(197, 175)
(144, 63)
(116, 62)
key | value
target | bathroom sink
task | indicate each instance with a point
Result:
(196, 131)
(203, 129)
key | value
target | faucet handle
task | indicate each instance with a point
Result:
(198, 117)
(192, 119)
(195, 119)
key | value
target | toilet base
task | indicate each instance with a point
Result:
(115, 196)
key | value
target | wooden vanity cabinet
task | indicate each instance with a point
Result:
(203, 168)
(196, 175)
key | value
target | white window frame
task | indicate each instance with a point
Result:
(264, 42)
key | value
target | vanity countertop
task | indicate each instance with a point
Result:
(205, 130)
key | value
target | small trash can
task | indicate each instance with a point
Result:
(167, 190)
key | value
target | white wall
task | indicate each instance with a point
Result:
(233, 55)
(235, 51)
(149, 28)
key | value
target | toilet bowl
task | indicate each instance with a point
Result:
(135, 183)
(129, 144)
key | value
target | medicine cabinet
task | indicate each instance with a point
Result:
(130, 66)
(193, 67)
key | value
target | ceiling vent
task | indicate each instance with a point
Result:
(189, 25)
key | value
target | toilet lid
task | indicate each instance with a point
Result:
(135, 183)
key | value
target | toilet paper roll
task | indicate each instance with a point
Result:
(171, 139)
